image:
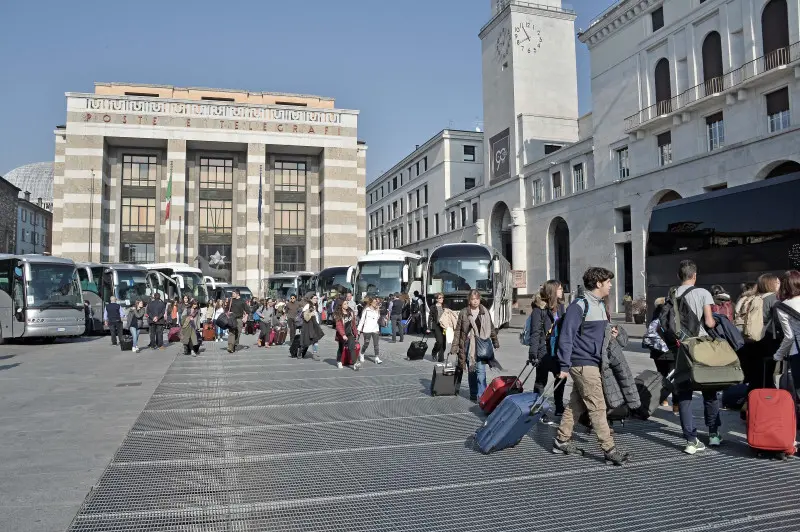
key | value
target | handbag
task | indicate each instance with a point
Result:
(224, 321)
(484, 349)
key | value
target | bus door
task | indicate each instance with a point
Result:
(8, 305)
(18, 297)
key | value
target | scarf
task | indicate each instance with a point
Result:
(483, 327)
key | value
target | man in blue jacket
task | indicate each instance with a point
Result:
(579, 351)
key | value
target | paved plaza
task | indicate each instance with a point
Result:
(94, 440)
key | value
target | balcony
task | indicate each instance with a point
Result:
(735, 79)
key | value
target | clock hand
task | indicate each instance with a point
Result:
(526, 33)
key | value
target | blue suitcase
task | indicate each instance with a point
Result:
(512, 419)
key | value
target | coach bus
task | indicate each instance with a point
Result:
(385, 271)
(330, 279)
(455, 269)
(734, 235)
(189, 279)
(40, 296)
(285, 284)
(223, 291)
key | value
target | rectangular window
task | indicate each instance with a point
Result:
(394, 209)
(138, 253)
(557, 185)
(452, 220)
(657, 17)
(463, 216)
(469, 153)
(216, 173)
(418, 203)
(578, 178)
(715, 128)
(417, 165)
(290, 218)
(289, 258)
(778, 110)
(623, 219)
(410, 233)
(474, 213)
(623, 163)
(394, 183)
(538, 192)
(402, 208)
(216, 217)
(290, 176)
(664, 141)
(24, 215)
(425, 225)
(425, 188)
(469, 182)
(138, 215)
(436, 224)
(139, 170)
(551, 148)
(419, 236)
(425, 163)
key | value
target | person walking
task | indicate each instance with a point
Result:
(547, 308)
(290, 308)
(311, 332)
(113, 316)
(346, 334)
(787, 314)
(579, 351)
(396, 307)
(155, 315)
(474, 322)
(369, 327)
(136, 322)
(190, 338)
(439, 345)
(238, 311)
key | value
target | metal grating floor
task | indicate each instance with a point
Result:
(260, 442)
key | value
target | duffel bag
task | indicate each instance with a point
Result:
(707, 364)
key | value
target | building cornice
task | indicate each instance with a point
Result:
(210, 89)
(531, 8)
(615, 17)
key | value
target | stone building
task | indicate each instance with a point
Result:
(126, 146)
(9, 195)
(35, 207)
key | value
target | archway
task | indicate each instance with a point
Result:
(775, 34)
(778, 169)
(667, 196)
(712, 63)
(663, 87)
(560, 256)
(501, 230)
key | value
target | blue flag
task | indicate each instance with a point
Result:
(259, 199)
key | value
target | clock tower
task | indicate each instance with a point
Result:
(530, 86)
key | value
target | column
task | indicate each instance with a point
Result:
(256, 172)
(480, 231)
(80, 218)
(173, 235)
(519, 243)
(343, 209)
(314, 215)
(241, 202)
(58, 193)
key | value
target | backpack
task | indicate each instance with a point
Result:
(414, 306)
(525, 335)
(678, 321)
(749, 318)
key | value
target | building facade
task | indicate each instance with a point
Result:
(127, 151)
(9, 197)
(429, 198)
(34, 226)
(688, 96)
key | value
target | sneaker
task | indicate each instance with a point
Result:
(339, 365)
(616, 457)
(361, 358)
(693, 447)
(378, 360)
(357, 366)
(546, 420)
(714, 440)
(566, 447)
(676, 409)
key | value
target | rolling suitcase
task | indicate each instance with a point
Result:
(506, 426)
(280, 336)
(500, 387)
(446, 379)
(126, 343)
(771, 421)
(209, 333)
(174, 334)
(347, 358)
(417, 350)
(653, 389)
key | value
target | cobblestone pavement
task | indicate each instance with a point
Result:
(259, 441)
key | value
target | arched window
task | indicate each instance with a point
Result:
(775, 34)
(712, 63)
(663, 88)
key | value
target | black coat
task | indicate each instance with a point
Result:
(542, 319)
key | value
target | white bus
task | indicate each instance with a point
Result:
(285, 284)
(220, 290)
(190, 280)
(40, 296)
(455, 269)
(385, 271)
(331, 279)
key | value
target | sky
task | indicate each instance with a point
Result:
(411, 67)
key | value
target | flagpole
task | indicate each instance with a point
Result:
(260, 241)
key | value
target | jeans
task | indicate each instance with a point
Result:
(234, 334)
(710, 409)
(350, 344)
(135, 335)
(397, 327)
(375, 337)
(587, 396)
(156, 335)
(477, 379)
(115, 328)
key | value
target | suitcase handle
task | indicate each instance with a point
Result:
(533, 367)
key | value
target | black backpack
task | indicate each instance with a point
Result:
(677, 320)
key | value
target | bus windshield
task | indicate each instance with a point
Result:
(451, 274)
(194, 287)
(336, 281)
(132, 286)
(244, 293)
(53, 286)
(379, 278)
(282, 287)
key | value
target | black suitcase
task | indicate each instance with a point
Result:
(126, 343)
(417, 350)
(446, 380)
(653, 389)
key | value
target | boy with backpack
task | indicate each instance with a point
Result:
(579, 352)
(694, 312)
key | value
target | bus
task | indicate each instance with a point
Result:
(220, 290)
(285, 284)
(455, 269)
(385, 271)
(734, 235)
(40, 297)
(333, 279)
(190, 280)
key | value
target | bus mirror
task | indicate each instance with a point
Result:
(496, 265)
(418, 271)
(350, 275)
(405, 273)
(210, 280)
(18, 272)
(179, 281)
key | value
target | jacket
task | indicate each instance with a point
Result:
(136, 318)
(448, 319)
(434, 316)
(189, 334)
(576, 348)
(461, 332)
(352, 326)
(619, 385)
(542, 320)
(726, 330)
(396, 308)
(788, 316)
(369, 321)
(155, 309)
(311, 332)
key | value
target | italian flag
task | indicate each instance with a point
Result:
(169, 196)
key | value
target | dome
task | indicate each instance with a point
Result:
(36, 178)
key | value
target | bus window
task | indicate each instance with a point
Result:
(5, 276)
(86, 284)
(108, 287)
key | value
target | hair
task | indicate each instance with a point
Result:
(438, 295)
(340, 311)
(790, 285)
(717, 290)
(767, 283)
(748, 289)
(549, 293)
(473, 293)
(686, 270)
(596, 275)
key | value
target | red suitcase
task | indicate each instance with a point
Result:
(500, 387)
(209, 333)
(174, 334)
(272, 337)
(347, 360)
(771, 421)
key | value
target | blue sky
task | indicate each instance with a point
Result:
(411, 67)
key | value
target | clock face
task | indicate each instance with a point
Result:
(527, 37)
(503, 45)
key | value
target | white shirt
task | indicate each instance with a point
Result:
(369, 321)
